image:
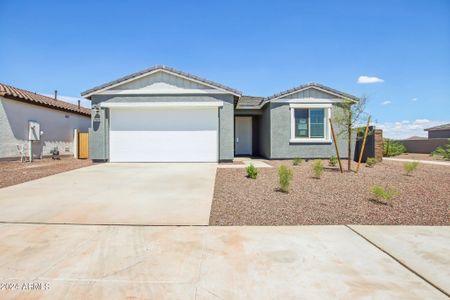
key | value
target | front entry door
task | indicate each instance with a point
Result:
(243, 136)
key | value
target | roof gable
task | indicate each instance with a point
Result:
(311, 91)
(161, 79)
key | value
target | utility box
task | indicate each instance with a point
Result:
(34, 131)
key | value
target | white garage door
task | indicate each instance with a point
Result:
(164, 134)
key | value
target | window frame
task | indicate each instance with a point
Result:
(327, 130)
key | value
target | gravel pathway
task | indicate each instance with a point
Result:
(334, 199)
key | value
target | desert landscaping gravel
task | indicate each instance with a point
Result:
(335, 198)
(15, 172)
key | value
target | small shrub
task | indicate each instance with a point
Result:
(371, 161)
(443, 151)
(333, 161)
(318, 168)
(384, 195)
(252, 171)
(297, 161)
(410, 167)
(392, 148)
(285, 177)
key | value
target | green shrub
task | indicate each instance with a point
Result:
(371, 161)
(443, 151)
(285, 177)
(384, 195)
(392, 148)
(297, 161)
(252, 171)
(333, 161)
(410, 167)
(318, 168)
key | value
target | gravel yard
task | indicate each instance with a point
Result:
(15, 172)
(334, 199)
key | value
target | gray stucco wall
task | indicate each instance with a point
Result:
(264, 133)
(99, 138)
(280, 146)
(99, 135)
(58, 127)
(438, 134)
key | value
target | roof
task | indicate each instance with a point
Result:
(312, 85)
(162, 68)
(249, 101)
(439, 127)
(415, 137)
(14, 93)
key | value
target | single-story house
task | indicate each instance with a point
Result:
(164, 115)
(439, 132)
(49, 123)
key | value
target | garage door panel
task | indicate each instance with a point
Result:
(170, 135)
(164, 119)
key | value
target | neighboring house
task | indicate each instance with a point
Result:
(415, 137)
(52, 123)
(441, 131)
(164, 115)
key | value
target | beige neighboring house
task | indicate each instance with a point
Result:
(49, 122)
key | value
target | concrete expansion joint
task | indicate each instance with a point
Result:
(397, 260)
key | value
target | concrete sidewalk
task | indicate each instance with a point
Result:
(423, 249)
(427, 162)
(172, 262)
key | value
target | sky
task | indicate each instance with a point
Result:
(395, 53)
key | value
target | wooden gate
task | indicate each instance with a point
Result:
(83, 145)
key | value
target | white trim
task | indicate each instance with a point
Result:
(177, 91)
(311, 87)
(310, 105)
(159, 70)
(309, 141)
(327, 128)
(162, 104)
(310, 100)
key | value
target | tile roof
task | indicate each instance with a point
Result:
(439, 127)
(11, 92)
(160, 67)
(312, 84)
(249, 101)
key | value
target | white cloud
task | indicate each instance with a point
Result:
(386, 102)
(369, 79)
(405, 129)
(74, 100)
(414, 99)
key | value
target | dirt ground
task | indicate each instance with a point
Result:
(420, 156)
(334, 198)
(15, 172)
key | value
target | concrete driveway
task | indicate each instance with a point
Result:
(140, 194)
(200, 262)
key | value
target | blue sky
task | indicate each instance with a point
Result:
(260, 49)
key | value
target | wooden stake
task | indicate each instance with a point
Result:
(335, 145)
(349, 143)
(363, 145)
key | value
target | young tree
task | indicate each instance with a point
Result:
(351, 113)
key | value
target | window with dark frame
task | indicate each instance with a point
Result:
(309, 123)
